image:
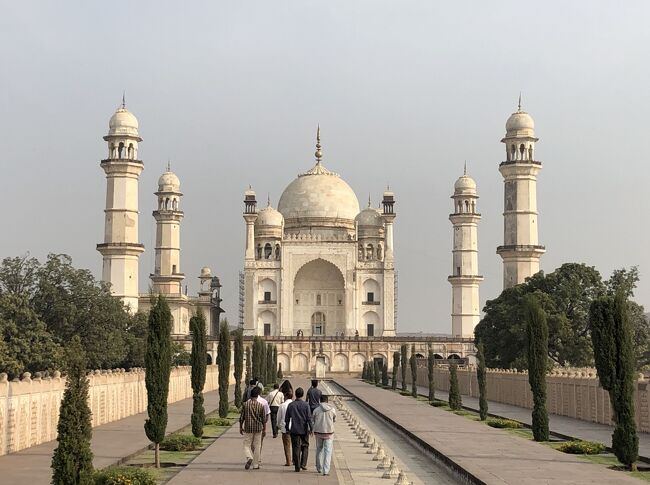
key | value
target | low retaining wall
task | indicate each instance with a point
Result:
(573, 393)
(29, 408)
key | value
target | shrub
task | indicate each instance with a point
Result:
(218, 422)
(405, 393)
(462, 412)
(124, 475)
(233, 410)
(504, 423)
(438, 404)
(582, 447)
(180, 442)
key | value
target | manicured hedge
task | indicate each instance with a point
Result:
(180, 442)
(125, 475)
(582, 447)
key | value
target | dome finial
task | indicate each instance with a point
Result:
(465, 169)
(169, 165)
(268, 200)
(124, 99)
(319, 153)
(369, 201)
(519, 104)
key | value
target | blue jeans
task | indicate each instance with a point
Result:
(324, 454)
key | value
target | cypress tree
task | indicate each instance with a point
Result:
(431, 362)
(223, 361)
(239, 364)
(537, 332)
(199, 361)
(158, 360)
(261, 371)
(482, 382)
(364, 371)
(72, 462)
(384, 375)
(257, 357)
(280, 376)
(614, 355)
(404, 363)
(455, 400)
(414, 373)
(396, 358)
(376, 375)
(249, 365)
(270, 374)
(274, 370)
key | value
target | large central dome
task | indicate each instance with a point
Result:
(319, 198)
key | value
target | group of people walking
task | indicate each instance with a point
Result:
(291, 416)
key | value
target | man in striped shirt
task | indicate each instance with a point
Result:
(252, 425)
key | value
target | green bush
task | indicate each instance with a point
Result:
(218, 422)
(503, 423)
(405, 393)
(180, 442)
(233, 410)
(461, 412)
(124, 475)
(438, 404)
(582, 447)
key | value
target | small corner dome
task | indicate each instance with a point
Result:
(169, 181)
(123, 123)
(520, 123)
(369, 217)
(205, 272)
(269, 217)
(465, 184)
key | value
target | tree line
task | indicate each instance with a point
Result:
(43, 305)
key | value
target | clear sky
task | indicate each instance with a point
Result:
(405, 92)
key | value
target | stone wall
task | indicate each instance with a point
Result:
(573, 393)
(29, 408)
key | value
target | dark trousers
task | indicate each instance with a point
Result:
(274, 420)
(300, 450)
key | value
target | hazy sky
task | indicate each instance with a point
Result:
(405, 91)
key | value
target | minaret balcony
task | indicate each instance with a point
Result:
(521, 248)
(521, 162)
(267, 302)
(370, 303)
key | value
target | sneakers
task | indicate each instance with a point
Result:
(256, 467)
(248, 464)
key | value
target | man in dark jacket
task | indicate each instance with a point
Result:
(298, 422)
(313, 395)
(246, 395)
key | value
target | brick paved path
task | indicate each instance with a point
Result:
(491, 455)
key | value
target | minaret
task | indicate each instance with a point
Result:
(465, 278)
(250, 283)
(167, 276)
(388, 215)
(121, 249)
(521, 250)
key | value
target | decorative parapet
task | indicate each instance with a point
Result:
(573, 392)
(29, 407)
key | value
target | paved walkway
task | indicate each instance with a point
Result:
(490, 455)
(222, 463)
(562, 425)
(111, 443)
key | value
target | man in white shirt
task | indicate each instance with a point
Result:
(275, 398)
(286, 437)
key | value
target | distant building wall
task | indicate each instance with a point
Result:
(29, 408)
(573, 393)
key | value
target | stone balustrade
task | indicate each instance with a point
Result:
(570, 392)
(29, 407)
